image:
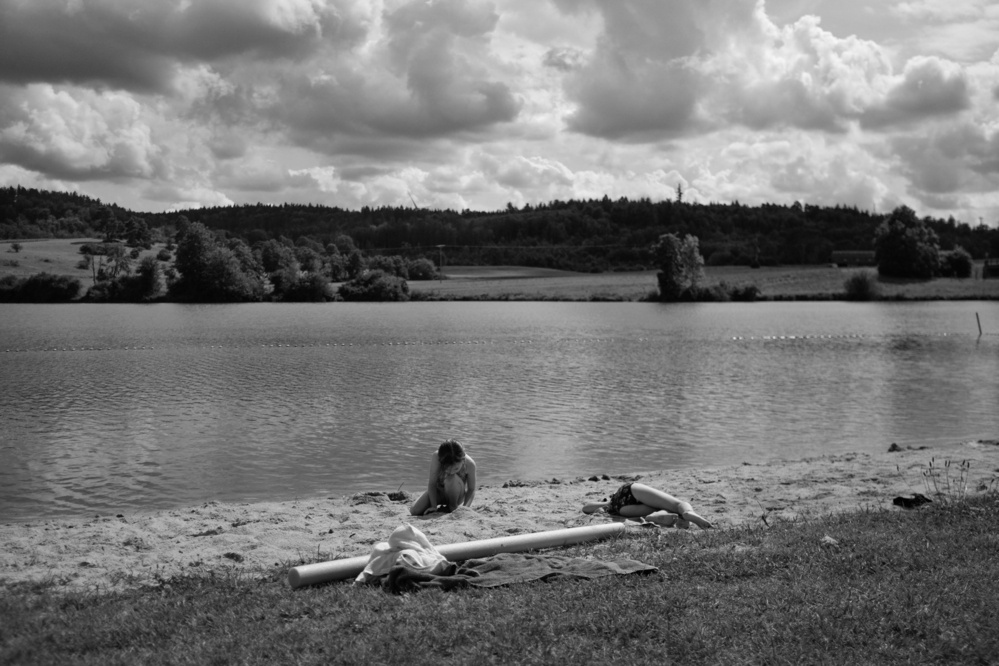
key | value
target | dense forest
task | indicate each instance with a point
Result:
(590, 235)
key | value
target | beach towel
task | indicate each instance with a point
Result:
(508, 569)
(406, 547)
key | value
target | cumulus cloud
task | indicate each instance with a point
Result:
(77, 134)
(679, 68)
(428, 73)
(475, 103)
(638, 79)
(928, 87)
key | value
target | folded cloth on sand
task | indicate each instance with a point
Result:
(506, 569)
(406, 547)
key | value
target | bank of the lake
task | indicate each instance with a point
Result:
(774, 283)
(806, 282)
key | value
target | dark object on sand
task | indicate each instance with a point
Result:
(894, 448)
(917, 500)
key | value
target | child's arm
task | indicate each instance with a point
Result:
(470, 480)
(435, 469)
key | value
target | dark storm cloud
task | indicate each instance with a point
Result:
(138, 44)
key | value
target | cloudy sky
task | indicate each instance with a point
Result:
(166, 104)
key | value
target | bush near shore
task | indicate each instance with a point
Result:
(865, 587)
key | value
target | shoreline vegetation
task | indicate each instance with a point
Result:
(811, 561)
(61, 257)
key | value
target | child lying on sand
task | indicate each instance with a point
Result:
(637, 500)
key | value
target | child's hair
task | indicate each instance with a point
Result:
(450, 452)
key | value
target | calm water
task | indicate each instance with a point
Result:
(113, 408)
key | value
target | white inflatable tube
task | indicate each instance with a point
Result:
(323, 572)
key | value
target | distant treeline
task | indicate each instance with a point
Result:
(591, 235)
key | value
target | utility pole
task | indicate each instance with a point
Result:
(440, 263)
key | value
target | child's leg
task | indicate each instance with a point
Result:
(656, 498)
(454, 491)
(421, 505)
(635, 510)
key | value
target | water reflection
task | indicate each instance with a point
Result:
(171, 405)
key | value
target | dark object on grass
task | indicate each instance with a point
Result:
(917, 500)
(894, 448)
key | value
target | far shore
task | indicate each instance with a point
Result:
(135, 549)
(824, 282)
(523, 283)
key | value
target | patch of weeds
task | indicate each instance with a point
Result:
(949, 482)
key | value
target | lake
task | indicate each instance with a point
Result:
(115, 408)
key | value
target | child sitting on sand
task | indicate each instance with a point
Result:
(451, 483)
(637, 500)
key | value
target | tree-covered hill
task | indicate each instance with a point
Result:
(586, 235)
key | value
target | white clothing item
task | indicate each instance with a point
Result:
(407, 546)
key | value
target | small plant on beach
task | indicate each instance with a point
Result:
(945, 484)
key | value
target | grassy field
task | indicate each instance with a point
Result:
(783, 282)
(58, 256)
(871, 587)
(61, 257)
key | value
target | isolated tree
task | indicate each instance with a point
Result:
(681, 266)
(905, 247)
(119, 261)
(421, 269)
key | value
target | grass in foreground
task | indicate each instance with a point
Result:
(895, 587)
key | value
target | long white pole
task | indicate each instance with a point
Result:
(323, 572)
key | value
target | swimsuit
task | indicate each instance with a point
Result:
(441, 477)
(621, 497)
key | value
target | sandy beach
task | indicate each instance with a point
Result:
(113, 552)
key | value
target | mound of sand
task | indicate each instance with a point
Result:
(113, 552)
